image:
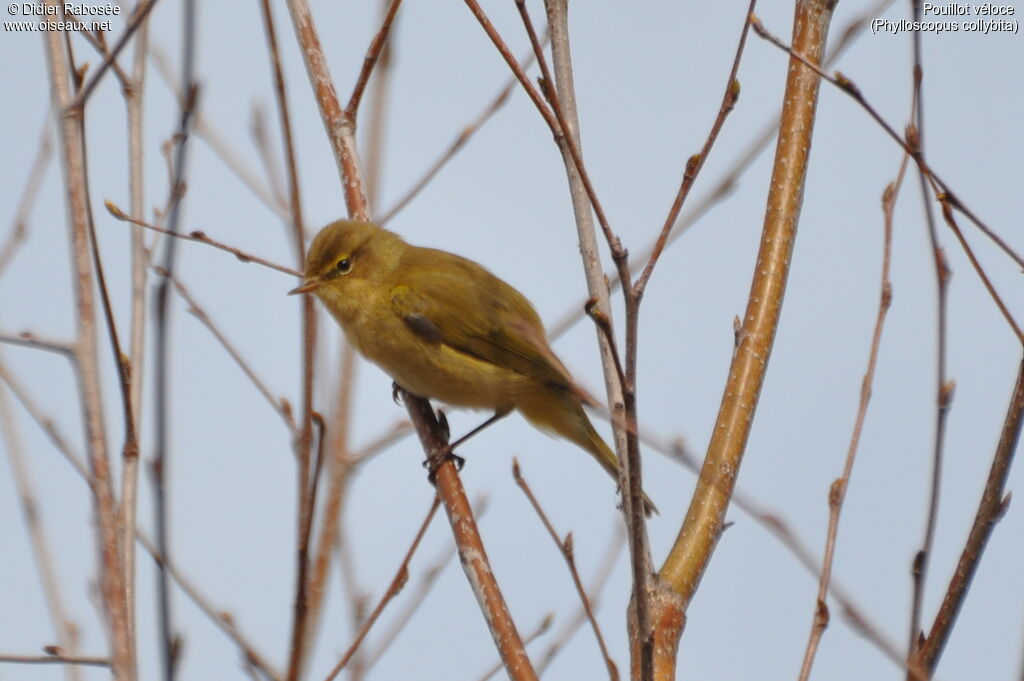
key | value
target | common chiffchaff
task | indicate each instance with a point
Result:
(445, 328)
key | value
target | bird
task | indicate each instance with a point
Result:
(445, 328)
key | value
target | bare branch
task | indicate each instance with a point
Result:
(399, 580)
(200, 237)
(566, 549)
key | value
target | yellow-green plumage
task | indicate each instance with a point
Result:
(445, 328)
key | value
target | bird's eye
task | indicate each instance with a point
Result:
(343, 266)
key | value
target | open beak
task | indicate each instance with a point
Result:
(308, 286)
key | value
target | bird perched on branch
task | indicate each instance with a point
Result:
(445, 328)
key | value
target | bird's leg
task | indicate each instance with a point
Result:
(442, 420)
(433, 462)
(498, 415)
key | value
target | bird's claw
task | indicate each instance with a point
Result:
(433, 463)
(396, 393)
(442, 421)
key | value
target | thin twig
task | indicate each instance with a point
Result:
(727, 182)
(460, 141)
(947, 215)
(695, 163)
(19, 224)
(28, 339)
(541, 629)
(993, 505)
(163, 314)
(837, 492)
(65, 630)
(133, 96)
(71, 144)
(566, 549)
(373, 52)
(85, 660)
(218, 616)
(399, 580)
(427, 580)
(303, 442)
(138, 16)
(472, 554)
(570, 626)
(220, 147)
(199, 313)
(200, 237)
(850, 88)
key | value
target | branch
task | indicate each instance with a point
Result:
(57, 658)
(467, 537)
(112, 573)
(373, 53)
(837, 492)
(566, 549)
(705, 518)
(75, 106)
(993, 504)
(200, 237)
(399, 580)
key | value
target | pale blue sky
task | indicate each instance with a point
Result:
(649, 80)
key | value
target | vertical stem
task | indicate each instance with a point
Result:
(162, 333)
(87, 368)
(706, 516)
(140, 263)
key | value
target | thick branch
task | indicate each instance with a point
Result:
(706, 516)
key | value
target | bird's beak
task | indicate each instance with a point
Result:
(308, 286)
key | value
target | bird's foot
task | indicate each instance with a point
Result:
(396, 393)
(433, 463)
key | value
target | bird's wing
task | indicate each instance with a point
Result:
(447, 299)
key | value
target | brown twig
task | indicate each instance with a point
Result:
(727, 182)
(373, 52)
(541, 629)
(991, 508)
(57, 658)
(851, 89)
(427, 580)
(28, 339)
(65, 629)
(139, 14)
(919, 569)
(704, 521)
(200, 237)
(695, 163)
(399, 580)
(837, 492)
(947, 215)
(271, 163)
(19, 224)
(340, 127)
(218, 616)
(162, 342)
(215, 140)
(112, 575)
(460, 141)
(303, 442)
(571, 625)
(197, 311)
(133, 96)
(471, 549)
(566, 549)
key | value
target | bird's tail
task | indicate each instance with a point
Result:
(606, 457)
(562, 413)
